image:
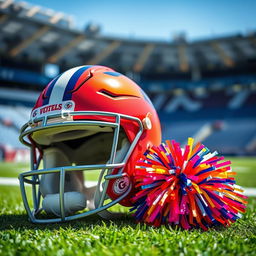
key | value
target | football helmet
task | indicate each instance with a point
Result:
(89, 119)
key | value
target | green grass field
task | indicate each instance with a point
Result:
(94, 236)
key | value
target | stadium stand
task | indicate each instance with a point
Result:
(26, 98)
(234, 137)
(204, 88)
(11, 119)
(17, 115)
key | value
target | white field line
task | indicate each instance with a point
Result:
(15, 182)
(241, 169)
(250, 191)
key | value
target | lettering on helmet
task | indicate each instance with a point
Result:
(57, 108)
(121, 185)
(50, 108)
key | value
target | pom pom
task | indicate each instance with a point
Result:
(189, 187)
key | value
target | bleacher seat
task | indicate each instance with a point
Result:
(180, 131)
(15, 117)
(10, 137)
(18, 115)
(234, 138)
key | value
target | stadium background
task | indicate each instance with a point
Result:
(204, 88)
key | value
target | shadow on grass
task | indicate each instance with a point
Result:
(21, 222)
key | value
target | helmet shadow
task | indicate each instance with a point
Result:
(21, 222)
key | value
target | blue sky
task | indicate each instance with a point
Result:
(161, 19)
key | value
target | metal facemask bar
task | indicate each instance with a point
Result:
(66, 119)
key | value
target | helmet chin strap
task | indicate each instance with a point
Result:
(120, 154)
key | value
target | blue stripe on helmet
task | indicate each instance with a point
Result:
(72, 82)
(111, 73)
(49, 91)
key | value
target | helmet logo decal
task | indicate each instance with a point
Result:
(121, 185)
(68, 105)
(65, 106)
(34, 113)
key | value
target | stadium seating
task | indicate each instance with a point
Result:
(11, 120)
(18, 115)
(9, 137)
(229, 112)
(26, 98)
(180, 131)
(234, 138)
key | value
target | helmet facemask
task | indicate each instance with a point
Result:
(68, 149)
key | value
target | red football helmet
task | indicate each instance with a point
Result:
(88, 118)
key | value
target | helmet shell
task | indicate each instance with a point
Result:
(99, 88)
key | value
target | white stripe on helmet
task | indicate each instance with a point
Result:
(61, 84)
